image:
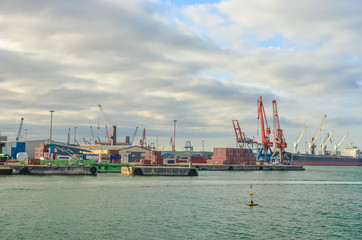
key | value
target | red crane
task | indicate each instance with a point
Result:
(265, 130)
(279, 139)
(241, 140)
(240, 136)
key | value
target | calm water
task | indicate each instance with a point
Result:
(319, 203)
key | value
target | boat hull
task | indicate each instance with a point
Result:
(318, 160)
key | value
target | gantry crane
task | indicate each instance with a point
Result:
(325, 143)
(188, 146)
(298, 140)
(279, 140)
(265, 131)
(313, 143)
(20, 128)
(110, 128)
(336, 146)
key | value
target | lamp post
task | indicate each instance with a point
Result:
(75, 135)
(51, 123)
(174, 138)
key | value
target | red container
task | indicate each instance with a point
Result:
(112, 151)
(33, 161)
(198, 161)
(143, 161)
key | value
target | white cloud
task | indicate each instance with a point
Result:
(148, 62)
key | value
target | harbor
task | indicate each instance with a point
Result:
(211, 205)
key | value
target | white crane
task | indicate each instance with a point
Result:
(336, 146)
(325, 143)
(110, 128)
(313, 143)
(19, 131)
(298, 140)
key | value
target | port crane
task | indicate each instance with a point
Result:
(142, 141)
(336, 146)
(265, 131)
(241, 140)
(298, 140)
(188, 146)
(110, 128)
(134, 135)
(20, 128)
(324, 144)
(279, 140)
(313, 143)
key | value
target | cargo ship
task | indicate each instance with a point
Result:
(349, 157)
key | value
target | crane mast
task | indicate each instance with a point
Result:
(134, 135)
(240, 136)
(142, 141)
(20, 128)
(265, 130)
(110, 128)
(313, 143)
(298, 140)
(279, 139)
(336, 146)
(325, 143)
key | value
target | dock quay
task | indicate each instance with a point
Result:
(54, 170)
(160, 171)
(6, 170)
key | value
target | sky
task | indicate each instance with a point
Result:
(203, 63)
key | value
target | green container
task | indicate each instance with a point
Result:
(43, 162)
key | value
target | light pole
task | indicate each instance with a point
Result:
(51, 123)
(75, 135)
(25, 133)
(174, 138)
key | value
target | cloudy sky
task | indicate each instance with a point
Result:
(203, 63)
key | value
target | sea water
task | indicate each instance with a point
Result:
(318, 203)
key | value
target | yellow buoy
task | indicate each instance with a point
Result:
(251, 194)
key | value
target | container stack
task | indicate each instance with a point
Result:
(155, 157)
(42, 151)
(232, 156)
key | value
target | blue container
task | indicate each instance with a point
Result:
(170, 161)
(13, 152)
(116, 156)
(20, 147)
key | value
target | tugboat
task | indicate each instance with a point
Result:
(251, 194)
